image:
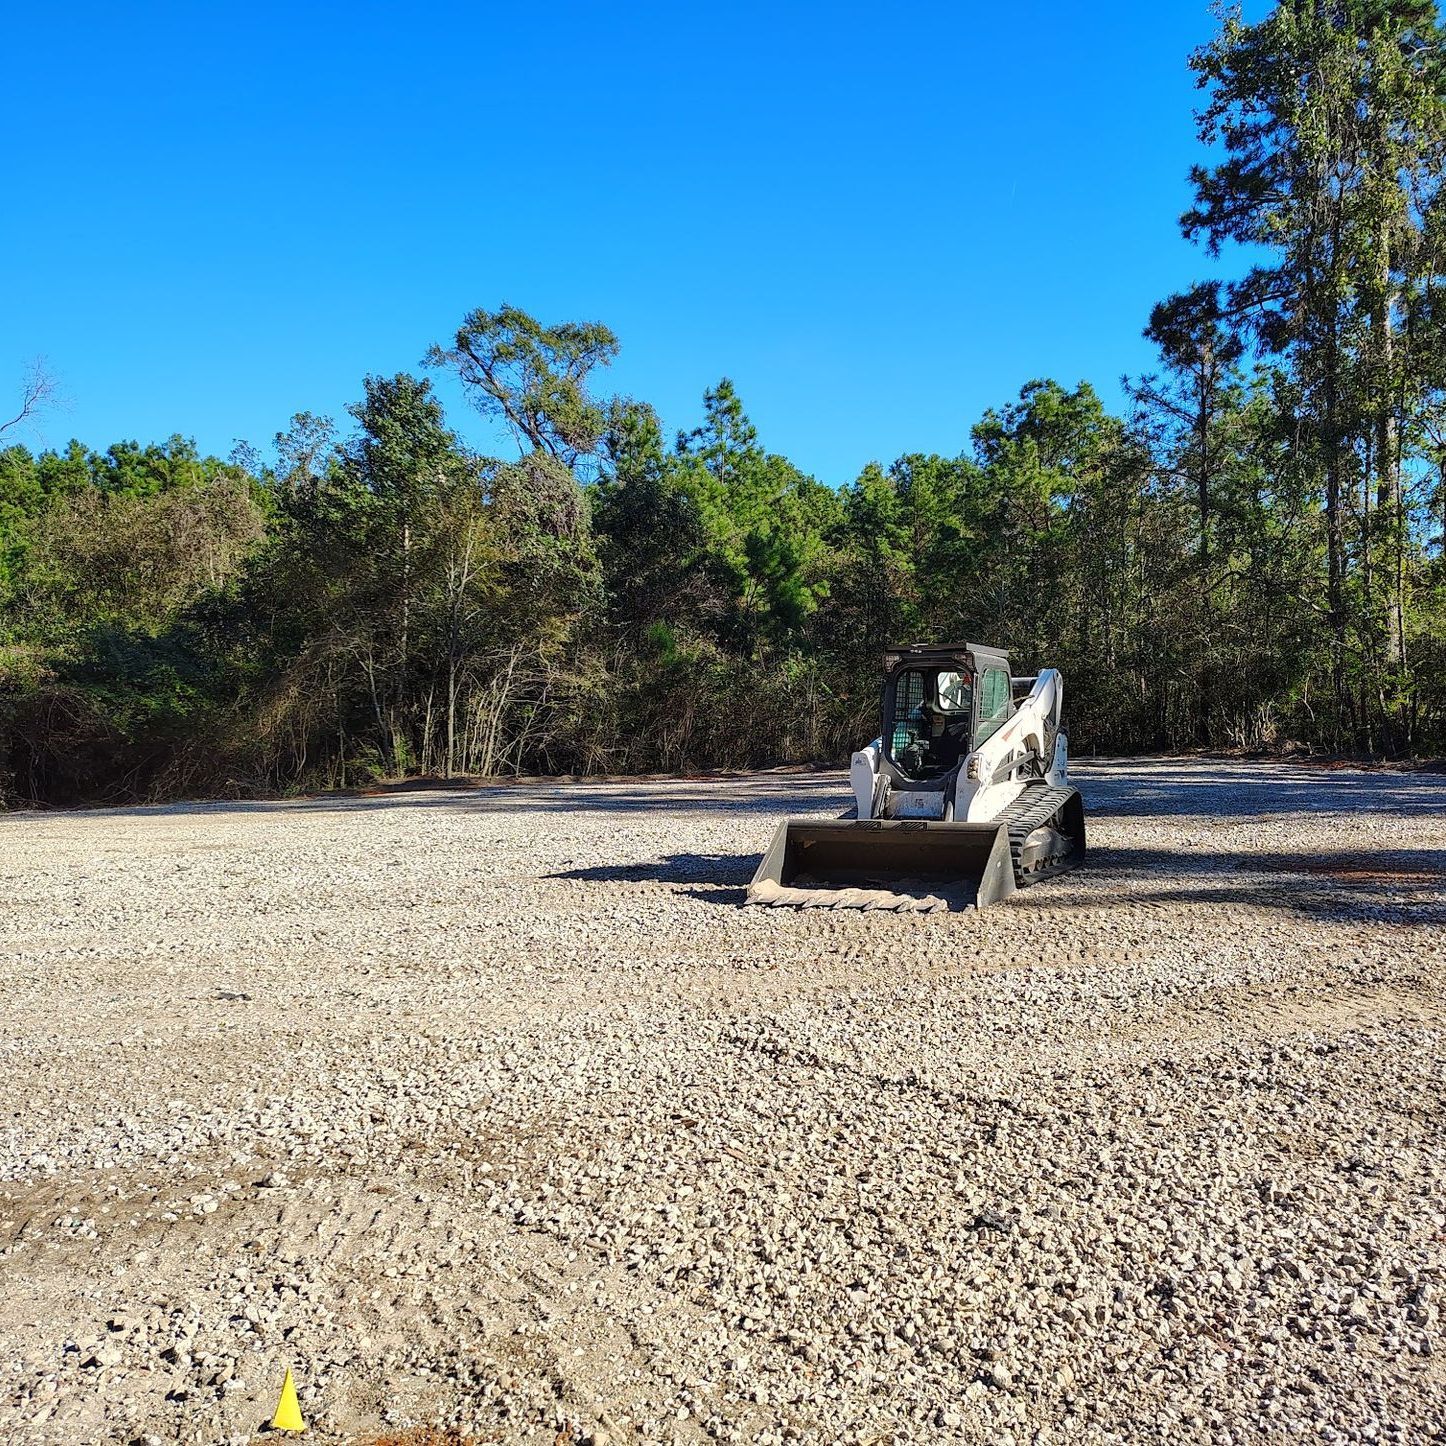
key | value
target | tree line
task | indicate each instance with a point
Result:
(1251, 555)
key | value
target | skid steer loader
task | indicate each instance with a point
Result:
(965, 790)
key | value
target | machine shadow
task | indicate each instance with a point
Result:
(724, 878)
(709, 878)
(730, 869)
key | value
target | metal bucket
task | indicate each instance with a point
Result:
(884, 863)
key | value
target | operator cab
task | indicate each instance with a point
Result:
(940, 703)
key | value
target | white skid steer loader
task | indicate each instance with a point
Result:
(966, 786)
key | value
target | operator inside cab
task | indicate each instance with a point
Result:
(932, 735)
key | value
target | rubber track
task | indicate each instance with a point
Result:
(1035, 806)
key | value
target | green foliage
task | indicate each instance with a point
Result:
(533, 377)
(764, 523)
(1332, 124)
(1255, 556)
(103, 682)
(650, 529)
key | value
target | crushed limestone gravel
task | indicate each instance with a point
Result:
(493, 1109)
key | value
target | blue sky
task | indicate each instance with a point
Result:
(878, 220)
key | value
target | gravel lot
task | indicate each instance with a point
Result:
(494, 1110)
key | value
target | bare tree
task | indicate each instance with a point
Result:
(38, 391)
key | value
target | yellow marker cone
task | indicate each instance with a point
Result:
(288, 1409)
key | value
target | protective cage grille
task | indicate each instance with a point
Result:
(908, 696)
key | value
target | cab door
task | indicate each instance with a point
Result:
(994, 703)
(993, 708)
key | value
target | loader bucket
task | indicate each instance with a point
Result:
(885, 863)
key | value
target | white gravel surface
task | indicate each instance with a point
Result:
(492, 1109)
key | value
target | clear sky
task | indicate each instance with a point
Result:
(877, 219)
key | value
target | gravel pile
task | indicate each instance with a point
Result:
(494, 1110)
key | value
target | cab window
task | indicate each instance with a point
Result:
(932, 716)
(953, 691)
(994, 700)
